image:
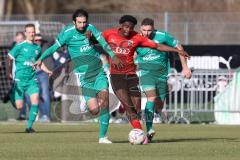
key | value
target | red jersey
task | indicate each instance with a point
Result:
(124, 48)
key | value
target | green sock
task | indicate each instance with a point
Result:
(32, 115)
(104, 122)
(149, 113)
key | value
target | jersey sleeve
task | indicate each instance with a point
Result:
(145, 42)
(48, 52)
(99, 37)
(13, 52)
(39, 51)
(170, 40)
(61, 38)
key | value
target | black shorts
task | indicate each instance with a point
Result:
(126, 82)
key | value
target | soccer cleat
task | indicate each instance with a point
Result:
(21, 118)
(104, 140)
(150, 134)
(30, 130)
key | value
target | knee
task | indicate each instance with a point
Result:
(19, 107)
(104, 104)
(103, 99)
(35, 99)
(151, 99)
(94, 111)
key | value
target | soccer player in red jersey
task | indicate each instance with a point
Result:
(124, 41)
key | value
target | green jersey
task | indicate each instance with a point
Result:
(152, 59)
(82, 52)
(25, 55)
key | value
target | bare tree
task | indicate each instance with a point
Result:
(9, 8)
(2, 3)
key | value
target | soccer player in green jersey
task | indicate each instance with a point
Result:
(153, 70)
(87, 65)
(25, 55)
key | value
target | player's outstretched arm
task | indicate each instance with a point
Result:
(165, 48)
(186, 72)
(49, 51)
(115, 60)
(46, 54)
(45, 69)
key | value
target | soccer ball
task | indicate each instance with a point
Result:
(136, 136)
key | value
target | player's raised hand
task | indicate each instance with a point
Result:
(117, 63)
(184, 53)
(187, 73)
(38, 63)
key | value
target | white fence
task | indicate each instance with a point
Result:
(189, 28)
(193, 100)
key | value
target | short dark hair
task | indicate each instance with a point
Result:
(128, 18)
(147, 21)
(79, 13)
(29, 25)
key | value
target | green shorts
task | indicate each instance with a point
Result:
(20, 87)
(150, 80)
(91, 86)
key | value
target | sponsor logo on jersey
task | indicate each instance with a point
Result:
(120, 50)
(150, 57)
(36, 52)
(28, 63)
(85, 48)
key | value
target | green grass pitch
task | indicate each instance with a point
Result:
(56, 141)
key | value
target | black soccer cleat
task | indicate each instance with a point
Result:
(30, 130)
(150, 134)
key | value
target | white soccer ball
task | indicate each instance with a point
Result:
(136, 136)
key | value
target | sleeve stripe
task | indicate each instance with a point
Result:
(160, 32)
(98, 37)
(58, 43)
(70, 29)
(177, 42)
(10, 56)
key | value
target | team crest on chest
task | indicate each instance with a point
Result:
(36, 52)
(130, 43)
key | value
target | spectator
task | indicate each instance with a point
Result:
(43, 80)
